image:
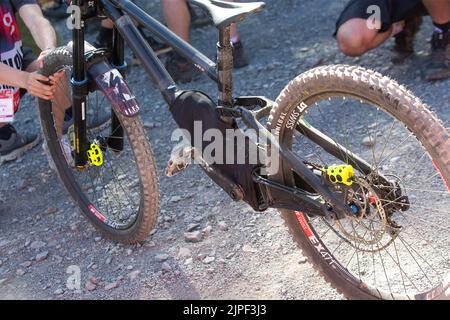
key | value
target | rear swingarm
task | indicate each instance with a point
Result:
(288, 197)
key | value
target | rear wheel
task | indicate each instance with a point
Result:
(392, 248)
(120, 193)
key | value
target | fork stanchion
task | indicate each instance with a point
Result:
(79, 88)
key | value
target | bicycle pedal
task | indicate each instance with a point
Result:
(95, 156)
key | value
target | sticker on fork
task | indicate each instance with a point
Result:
(118, 92)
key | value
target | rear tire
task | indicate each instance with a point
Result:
(338, 81)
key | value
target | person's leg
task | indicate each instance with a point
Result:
(439, 11)
(439, 67)
(177, 16)
(404, 41)
(104, 35)
(239, 57)
(355, 38)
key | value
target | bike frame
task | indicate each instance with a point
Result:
(121, 12)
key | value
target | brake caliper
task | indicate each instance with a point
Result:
(95, 156)
(340, 174)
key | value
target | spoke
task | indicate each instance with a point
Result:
(384, 270)
(420, 234)
(374, 134)
(406, 245)
(388, 202)
(357, 255)
(324, 234)
(343, 154)
(385, 143)
(123, 190)
(403, 178)
(395, 150)
(402, 271)
(419, 190)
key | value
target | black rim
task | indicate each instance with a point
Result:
(110, 193)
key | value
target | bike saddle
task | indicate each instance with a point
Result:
(225, 13)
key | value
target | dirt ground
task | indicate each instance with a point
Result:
(44, 241)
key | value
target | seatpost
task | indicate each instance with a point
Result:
(80, 90)
(225, 67)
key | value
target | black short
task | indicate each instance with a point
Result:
(391, 11)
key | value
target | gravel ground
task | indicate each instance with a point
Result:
(242, 254)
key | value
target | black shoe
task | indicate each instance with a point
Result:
(239, 58)
(404, 41)
(16, 145)
(180, 69)
(439, 66)
(56, 9)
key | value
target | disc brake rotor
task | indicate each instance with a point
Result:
(367, 229)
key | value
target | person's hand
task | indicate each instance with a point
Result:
(41, 57)
(38, 85)
(56, 77)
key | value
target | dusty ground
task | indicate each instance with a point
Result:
(42, 233)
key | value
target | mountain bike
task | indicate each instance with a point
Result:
(363, 170)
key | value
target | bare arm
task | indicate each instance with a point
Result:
(32, 82)
(12, 77)
(42, 31)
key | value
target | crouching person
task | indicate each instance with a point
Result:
(366, 24)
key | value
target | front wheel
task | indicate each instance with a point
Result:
(395, 246)
(117, 191)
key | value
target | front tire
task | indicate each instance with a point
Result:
(139, 166)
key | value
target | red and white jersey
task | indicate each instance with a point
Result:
(11, 52)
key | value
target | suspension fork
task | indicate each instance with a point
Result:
(115, 140)
(79, 82)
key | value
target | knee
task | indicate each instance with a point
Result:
(352, 45)
(354, 39)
